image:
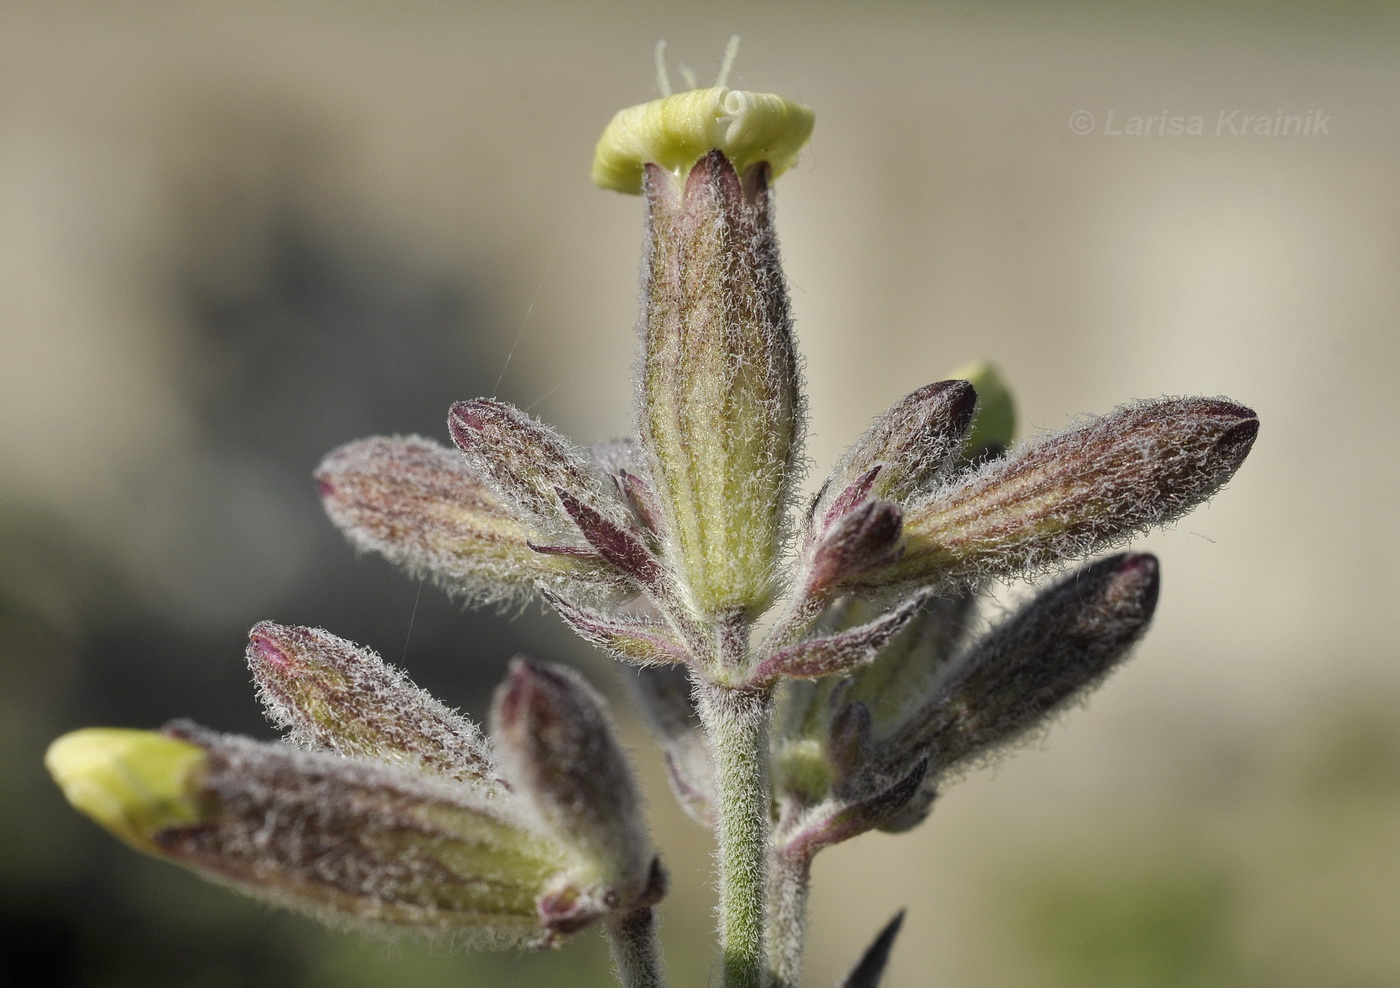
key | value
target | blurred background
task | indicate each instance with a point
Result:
(236, 235)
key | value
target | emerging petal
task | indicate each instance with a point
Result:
(678, 130)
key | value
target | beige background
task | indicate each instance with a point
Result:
(945, 211)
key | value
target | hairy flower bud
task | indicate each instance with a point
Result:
(906, 448)
(558, 746)
(347, 841)
(333, 695)
(525, 462)
(1056, 647)
(720, 407)
(422, 507)
(663, 693)
(1072, 493)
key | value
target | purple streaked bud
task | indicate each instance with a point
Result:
(1055, 648)
(720, 408)
(864, 539)
(526, 463)
(368, 844)
(557, 744)
(1074, 493)
(331, 694)
(663, 694)
(422, 507)
(902, 452)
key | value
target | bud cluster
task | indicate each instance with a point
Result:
(387, 809)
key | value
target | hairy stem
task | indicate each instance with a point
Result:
(736, 722)
(636, 951)
(788, 882)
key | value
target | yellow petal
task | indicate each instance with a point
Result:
(678, 130)
(134, 783)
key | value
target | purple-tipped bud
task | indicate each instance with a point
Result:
(1076, 492)
(859, 541)
(720, 408)
(906, 447)
(365, 844)
(554, 737)
(526, 463)
(422, 507)
(1051, 651)
(331, 694)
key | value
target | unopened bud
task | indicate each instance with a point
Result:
(423, 508)
(1060, 644)
(344, 840)
(1075, 492)
(525, 462)
(331, 694)
(663, 694)
(554, 737)
(907, 447)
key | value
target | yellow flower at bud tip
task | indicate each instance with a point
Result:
(995, 422)
(676, 131)
(133, 783)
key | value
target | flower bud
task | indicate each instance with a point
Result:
(554, 737)
(527, 463)
(720, 408)
(1075, 492)
(906, 447)
(663, 694)
(344, 840)
(1055, 648)
(333, 695)
(423, 508)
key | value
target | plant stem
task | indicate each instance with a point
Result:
(636, 952)
(736, 722)
(789, 882)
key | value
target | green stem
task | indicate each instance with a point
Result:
(787, 896)
(736, 722)
(636, 951)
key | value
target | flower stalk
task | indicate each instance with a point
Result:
(736, 722)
